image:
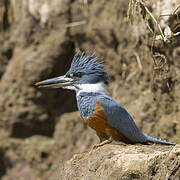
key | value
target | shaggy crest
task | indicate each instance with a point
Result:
(90, 63)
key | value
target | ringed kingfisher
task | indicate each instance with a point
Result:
(88, 78)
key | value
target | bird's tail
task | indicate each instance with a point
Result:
(156, 140)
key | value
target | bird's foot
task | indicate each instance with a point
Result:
(107, 141)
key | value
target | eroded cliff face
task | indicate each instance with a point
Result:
(124, 162)
(37, 41)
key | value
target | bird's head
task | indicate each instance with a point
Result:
(86, 72)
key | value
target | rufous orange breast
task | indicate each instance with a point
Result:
(97, 122)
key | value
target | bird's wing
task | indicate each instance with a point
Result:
(118, 118)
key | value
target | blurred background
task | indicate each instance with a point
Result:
(40, 129)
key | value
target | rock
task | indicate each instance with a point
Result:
(124, 162)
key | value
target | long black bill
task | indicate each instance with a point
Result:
(57, 82)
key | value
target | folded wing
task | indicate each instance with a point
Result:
(118, 118)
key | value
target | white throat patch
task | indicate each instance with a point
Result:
(97, 87)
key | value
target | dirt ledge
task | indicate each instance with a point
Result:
(124, 162)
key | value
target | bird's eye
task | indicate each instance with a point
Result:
(78, 74)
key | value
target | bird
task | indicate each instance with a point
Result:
(111, 121)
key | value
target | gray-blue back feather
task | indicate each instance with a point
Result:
(120, 119)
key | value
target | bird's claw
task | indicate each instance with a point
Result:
(107, 141)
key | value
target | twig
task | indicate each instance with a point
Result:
(129, 9)
(176, 9)
(131, 75)
(149, 28)
(78, 23)
(138, 61)
(153, 18)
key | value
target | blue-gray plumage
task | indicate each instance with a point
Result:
(99, 110)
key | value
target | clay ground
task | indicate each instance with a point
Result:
(40, 129)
